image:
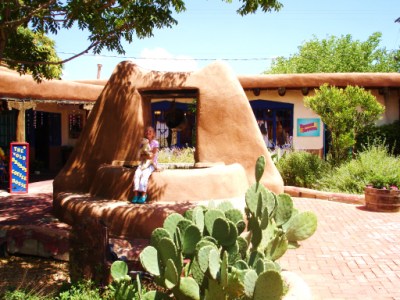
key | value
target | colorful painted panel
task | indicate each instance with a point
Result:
(19, 167)
(308, 127)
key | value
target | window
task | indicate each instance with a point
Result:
(275, 120)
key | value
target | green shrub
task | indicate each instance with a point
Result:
(388, 133)
(81, 291)
(375, 165)
(301, 168)
(22, 295)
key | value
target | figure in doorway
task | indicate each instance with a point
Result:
(264, 131)
(142, 175)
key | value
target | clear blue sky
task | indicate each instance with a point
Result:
(211, 29)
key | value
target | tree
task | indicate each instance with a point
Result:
(107, 21)
(339, 55)
(346, 112)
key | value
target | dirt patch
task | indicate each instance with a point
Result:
(34, 274)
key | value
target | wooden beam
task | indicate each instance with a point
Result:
(21, 106)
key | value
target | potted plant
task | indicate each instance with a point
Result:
(383, 194)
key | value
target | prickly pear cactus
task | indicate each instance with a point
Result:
(207, 253)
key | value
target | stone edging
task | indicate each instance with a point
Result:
(330, 196)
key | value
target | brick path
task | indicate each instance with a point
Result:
(354, 254)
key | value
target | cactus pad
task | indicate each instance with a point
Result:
(260, 166)
(269, 285)
(188, 289)
(198, 218)
(220, 230)
(149, 260)
(171, 222)
(183, 224)
(210, 217)
(167, 251)
(250, 280)
(203, 257)
(214, 263)
(301, 226)
(284, 209)
(276, 247)
(191, 237)
(119, 270)
(157, 235)
(171, 275)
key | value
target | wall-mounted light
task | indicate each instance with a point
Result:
(256, 92)
(281, 91)
(305, 91)
(157, 112)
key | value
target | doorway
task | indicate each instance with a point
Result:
(275, 120)
(43, 133)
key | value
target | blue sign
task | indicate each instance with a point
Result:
(308, 127)
(19, 167)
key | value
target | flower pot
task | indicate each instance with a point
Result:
(382, 200)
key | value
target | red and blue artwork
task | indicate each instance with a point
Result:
(308, 127)
(19, 167)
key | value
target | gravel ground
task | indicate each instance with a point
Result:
(37, 275)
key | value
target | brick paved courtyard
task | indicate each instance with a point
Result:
(355, 254)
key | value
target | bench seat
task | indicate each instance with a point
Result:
(168, 191)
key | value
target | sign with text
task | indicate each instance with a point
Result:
(19, 167)
(308, 127)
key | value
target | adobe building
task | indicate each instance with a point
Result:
(51, 115)
(228, 140)
(277, 100)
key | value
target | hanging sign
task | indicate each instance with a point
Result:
(19, 167)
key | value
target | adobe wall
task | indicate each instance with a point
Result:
(227, 130)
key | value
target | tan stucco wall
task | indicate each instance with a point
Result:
(116, 124)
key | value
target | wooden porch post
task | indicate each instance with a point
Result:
(21, 106)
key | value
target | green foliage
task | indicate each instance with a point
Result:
(33, 47)
(346, 113)
(375, 165)
(207, 258)
(107, 25)
(176, 155)
(81, 291)
(301, 169)
(338, 55)
(387, 134)
(22, 295)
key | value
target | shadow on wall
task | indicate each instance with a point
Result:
(117, 121)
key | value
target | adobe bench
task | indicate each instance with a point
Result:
(171, 190)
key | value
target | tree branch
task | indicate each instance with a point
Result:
(35, 63)
(18, 22)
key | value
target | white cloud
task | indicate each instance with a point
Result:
(159, 59)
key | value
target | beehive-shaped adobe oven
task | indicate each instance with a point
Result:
(226, 129)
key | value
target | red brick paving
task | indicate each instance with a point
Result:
(354, 254)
